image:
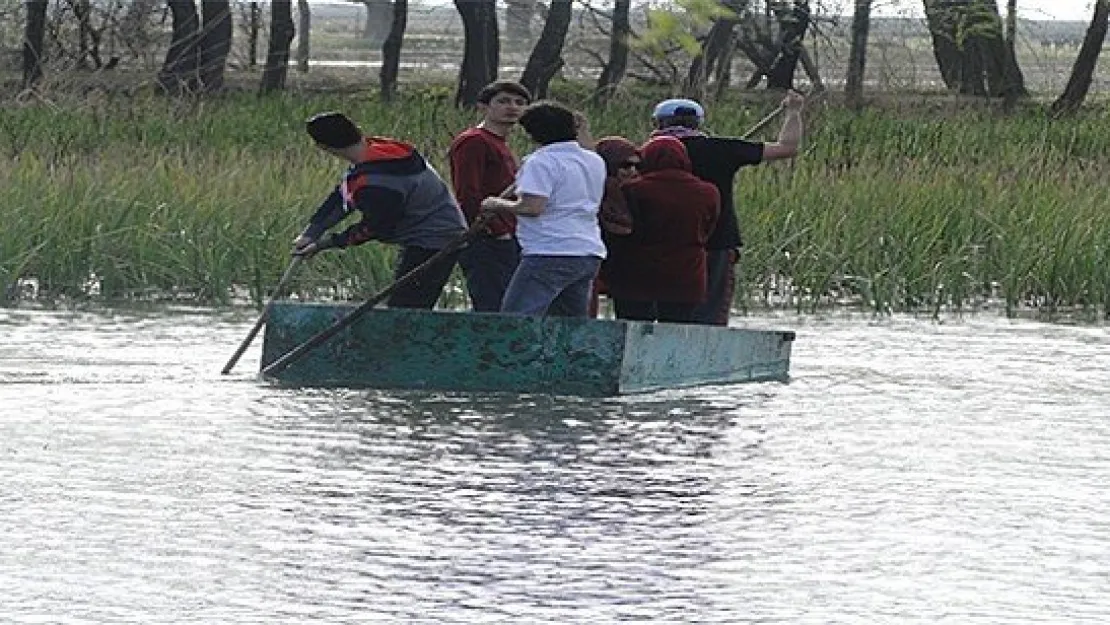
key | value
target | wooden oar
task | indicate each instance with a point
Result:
(281, 364)
(285, 277)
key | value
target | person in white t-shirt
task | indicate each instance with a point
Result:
(558, 192)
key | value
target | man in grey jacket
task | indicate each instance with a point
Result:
(402, 201)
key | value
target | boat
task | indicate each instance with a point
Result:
(490, 352)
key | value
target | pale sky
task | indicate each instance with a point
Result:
(1076, 10)
(1079, 10)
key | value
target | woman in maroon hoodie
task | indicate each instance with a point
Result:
(658, 272)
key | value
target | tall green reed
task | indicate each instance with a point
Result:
(887, 209)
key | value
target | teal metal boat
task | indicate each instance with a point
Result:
(463, 351)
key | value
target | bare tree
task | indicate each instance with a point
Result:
(282, 32)
(34, 35)
(763, 39)
(715, 49)
(481, 49)
(391, 50)
(615, 67)
(970, 48)
(304, 14)
(254, 29)
(379, 16)
(178, 71)
(547, 56)
(1082, 72)
(793, 24)
(214, 44)
(1011, 25)
(857, 56)
(88, 39)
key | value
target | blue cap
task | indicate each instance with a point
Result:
(678, 107)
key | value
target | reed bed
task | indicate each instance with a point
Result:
(892, 209)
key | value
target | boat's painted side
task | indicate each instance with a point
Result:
(390, 348)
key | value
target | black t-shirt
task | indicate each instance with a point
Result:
(716, 160)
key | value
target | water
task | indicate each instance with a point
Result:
(910, 472)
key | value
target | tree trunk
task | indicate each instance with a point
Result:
(809, 66)
(254, 28)
(547, 56)
(1004, 76)
(718, 39)
(1083, 70)
(617, 64)
(282, 32)
(857, 57)
(34, 36)
(391, 50)
(480, 49)
(518, 20)
(379, 16)
(724, 67)
(178, 72)
(215, 43)
(1011, 25)
(82, 13)
(794, 25)
(942, 29)
(972, 50)
(304, 14)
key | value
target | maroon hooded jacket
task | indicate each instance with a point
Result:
(673, 214)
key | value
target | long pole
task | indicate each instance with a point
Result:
(281, 364)
(761, 124)
(285, 277)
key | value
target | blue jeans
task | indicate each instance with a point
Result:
(488, 265)
(551, 285)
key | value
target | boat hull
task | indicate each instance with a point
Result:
(454, 351)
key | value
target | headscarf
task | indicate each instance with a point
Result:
(662, 153)
(615, 150)
(613, 214)
(677, 131)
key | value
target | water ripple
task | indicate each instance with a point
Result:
(909, 472)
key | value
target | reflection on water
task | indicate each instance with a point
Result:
(909, 472)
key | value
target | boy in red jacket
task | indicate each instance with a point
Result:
(482, 165)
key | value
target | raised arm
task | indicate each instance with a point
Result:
(790, 136)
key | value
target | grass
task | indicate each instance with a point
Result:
(902, 207)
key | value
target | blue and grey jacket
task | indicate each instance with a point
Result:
(401, 197)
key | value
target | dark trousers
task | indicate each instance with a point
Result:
(670, 312)
(488, 265)
(426, 289)
(721, 272)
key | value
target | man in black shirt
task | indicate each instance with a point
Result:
(716, 160)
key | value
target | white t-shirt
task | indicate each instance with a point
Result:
(573, 180)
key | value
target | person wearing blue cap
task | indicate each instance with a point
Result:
(717, 160)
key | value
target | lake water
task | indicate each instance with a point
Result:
(911, 471)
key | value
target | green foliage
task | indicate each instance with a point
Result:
(678, 25)
(889, 210)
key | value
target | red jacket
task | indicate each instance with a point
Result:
(482, 166)
(673, 214)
